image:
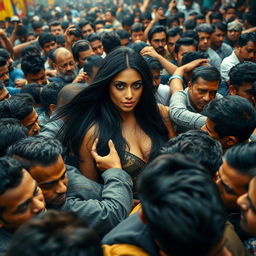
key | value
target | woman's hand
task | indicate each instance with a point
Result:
(111, 160)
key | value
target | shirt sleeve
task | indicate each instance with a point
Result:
(115, 206)
(181, 115)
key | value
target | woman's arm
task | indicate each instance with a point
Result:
(164, 111)
(87, 164)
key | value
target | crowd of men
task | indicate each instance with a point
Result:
(198, 197)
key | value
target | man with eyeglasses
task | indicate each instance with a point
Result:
(66, 67)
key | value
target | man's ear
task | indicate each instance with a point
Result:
(232, 90)
(52, 108)
(142, 217)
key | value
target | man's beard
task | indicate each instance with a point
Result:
(68, 78)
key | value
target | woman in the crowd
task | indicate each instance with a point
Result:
(118, 107)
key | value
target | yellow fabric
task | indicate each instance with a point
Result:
(20, 7)
(6, 9)
(136, 209)
(123, 250)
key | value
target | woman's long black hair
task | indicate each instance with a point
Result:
(93, 106)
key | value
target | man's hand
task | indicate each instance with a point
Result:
(193, 64)
(111, 160)
(149, 50)
(19, 83)
(3, 33)
(81, 78)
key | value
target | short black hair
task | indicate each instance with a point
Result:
(137, 27)
(49, 94)
(190, 24)
(18, 106)
(10, 132)
(138, 46)
(185, 41)
(245, 38)
(204, 27)
(55, 233)
(220, 25)
(182, 206)
(242, 158)
(37, 24)
(34, 90)
(153, 63)
(28, 50)
(155, 29)
(32, 64)
(83, 23)
(80, 46)
(36, 150)
(232, 116)
(93, 37)
(250, 17)
(11, 174)
(216, 15)
(91, 62)
(110, 41)
(242, 73)
(54, 23)
(199, 146)
(46, 38)
(123, 34)
(191, 56)
(208, 73)
(174, 32)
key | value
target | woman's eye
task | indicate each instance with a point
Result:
(119, 86)
(137, 85)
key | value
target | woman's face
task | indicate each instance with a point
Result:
(126, 90)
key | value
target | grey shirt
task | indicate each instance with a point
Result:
(114, 206)
(183, 114)
(227, 64)
(224, 51)
(5, 240)
(214, 58)
(163, 94)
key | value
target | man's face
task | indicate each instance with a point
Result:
(183, 49)
(66, 66)
(83, 55)
(171, 41)
(201, 92)
(4, 94)
(4, 74)
(39, 78)
(53, 180)
(230, 13)
(137, 36)
(108, 17)
(231, 185)
(31, 123)
(217, 38)
(56, 30)
(20, 204)
(49, 46)
(204, 41)
(87, 30)
(98, 27)
(97, 47)
(158, 42)
(247, 203)
(247, 52)
(246, 91)
(233, 35)
(38, 31)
